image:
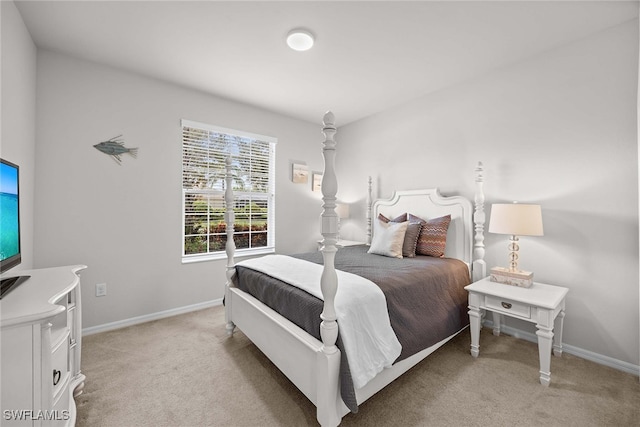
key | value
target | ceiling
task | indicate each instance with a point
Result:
(369, 56)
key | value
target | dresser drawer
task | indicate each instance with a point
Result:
(509, 307)
(59, 366)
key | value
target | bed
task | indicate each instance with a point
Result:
(309, 350)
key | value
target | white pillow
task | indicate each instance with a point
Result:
(388, 238)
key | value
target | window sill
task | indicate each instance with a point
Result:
(240, 253)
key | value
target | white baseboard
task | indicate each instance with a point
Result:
(576, 351)
(149, 317)
(518, 333)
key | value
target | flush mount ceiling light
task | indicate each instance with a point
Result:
(300, 39)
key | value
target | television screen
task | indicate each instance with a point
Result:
(9, 216)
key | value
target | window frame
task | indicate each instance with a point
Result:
(238, 195)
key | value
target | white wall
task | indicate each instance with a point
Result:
(18, 88)
(124, 221)
(558, 129)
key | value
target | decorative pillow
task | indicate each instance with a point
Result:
(388, 238)
(401, 218)
(433, 235)
(410, 237)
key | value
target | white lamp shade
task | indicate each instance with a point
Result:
(342, 209)
(516, 219)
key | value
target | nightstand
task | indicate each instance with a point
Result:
(540, 304)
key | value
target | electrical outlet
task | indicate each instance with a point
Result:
(101, 289)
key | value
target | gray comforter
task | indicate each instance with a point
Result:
(425, 298)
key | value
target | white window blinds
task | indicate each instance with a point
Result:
(205, 149)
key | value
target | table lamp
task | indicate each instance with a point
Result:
(514, 219)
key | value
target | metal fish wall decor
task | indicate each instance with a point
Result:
(115, 148)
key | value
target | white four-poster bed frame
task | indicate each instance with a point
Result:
(313, 365)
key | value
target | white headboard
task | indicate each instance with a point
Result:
(428, 204)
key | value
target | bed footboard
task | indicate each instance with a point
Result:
(297, 354)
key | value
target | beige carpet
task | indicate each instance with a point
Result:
(184, 371)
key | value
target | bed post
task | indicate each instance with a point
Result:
(369, 201)
(329, 357)
(229, 218)
(479, 266)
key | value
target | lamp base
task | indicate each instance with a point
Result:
(523, 279)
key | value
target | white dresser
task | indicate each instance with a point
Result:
(40, 335)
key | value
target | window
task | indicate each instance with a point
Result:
(205, 149)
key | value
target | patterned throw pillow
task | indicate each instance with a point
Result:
(433, 235)
(410, 237)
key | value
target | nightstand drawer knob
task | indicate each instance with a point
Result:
(506, 305)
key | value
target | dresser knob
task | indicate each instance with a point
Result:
(56, 376)
(506, 305)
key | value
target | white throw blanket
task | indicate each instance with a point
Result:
(361, 308)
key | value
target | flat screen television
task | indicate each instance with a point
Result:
(10, 254)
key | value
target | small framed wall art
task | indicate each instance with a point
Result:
(316, 183)
(299, 173)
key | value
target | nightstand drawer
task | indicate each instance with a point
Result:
(508, 307)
